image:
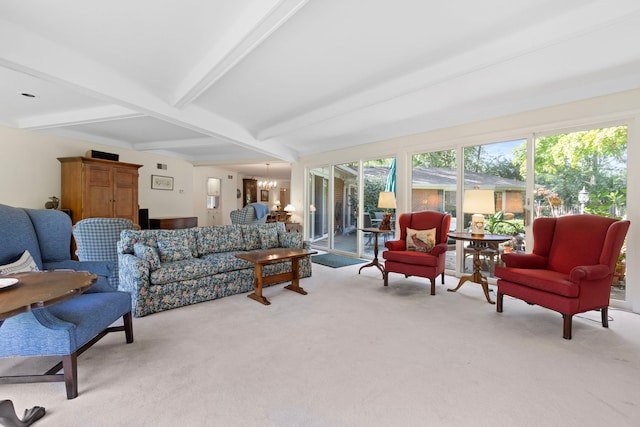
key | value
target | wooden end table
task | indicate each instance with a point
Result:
(266, 256)
(375, 262)
(478, 242)
(37, 290)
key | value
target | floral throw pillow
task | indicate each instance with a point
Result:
(421, 240)
(268, 238)
(147, 253)
(175, 245)
(290, 240)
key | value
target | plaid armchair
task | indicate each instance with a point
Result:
(97, 240)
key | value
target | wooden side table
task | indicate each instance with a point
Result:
(375, 262)
(478, 242)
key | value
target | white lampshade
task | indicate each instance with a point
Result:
(387, 200)
(479, 202)
(289, 208)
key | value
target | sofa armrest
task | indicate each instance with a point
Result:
(134, 273)
(439, 249)
(104, 270)
(588, 272)
(396, 245)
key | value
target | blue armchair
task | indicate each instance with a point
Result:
(68, 328)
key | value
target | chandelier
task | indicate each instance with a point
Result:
(267, 184)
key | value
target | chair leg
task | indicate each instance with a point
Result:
(433, 285)
(385, 275)
(499, 298)
(70, 368)
(566, 333)
(442, 275)
(128, 327)
(604, 312)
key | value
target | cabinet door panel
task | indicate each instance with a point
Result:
(126, 194)
(98, 192)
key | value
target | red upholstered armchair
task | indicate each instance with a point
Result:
(415, 263)
(571, 267)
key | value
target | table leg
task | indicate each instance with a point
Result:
(476, 277)
(257, 284)
(375, 262)
(295, 279)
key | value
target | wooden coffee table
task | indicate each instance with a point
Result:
(266, 256)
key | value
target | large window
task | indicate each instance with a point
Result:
(494, 167)
(584, 171)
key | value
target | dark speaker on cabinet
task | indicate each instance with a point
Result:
(143, 219)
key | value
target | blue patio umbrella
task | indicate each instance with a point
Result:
(391, 178)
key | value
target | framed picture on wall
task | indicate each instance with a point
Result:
(264, 195)
(159, 182)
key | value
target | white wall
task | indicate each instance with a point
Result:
(228, 200)
(30, 172)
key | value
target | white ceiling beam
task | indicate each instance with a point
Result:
(34, 55)
(248, 32)
(78, 117)
(177, 143)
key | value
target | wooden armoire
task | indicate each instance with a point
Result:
(97, 188)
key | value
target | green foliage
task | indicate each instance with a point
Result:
(593, 159)
(496, 224)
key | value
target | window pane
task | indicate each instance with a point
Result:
(586, 172)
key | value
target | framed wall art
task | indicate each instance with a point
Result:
(264, 195)
(159, 182)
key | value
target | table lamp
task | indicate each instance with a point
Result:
(386, 200)
(288, 209)
(478, 202)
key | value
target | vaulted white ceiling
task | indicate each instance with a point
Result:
(253, 81)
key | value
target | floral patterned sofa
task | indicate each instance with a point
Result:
(165, 269)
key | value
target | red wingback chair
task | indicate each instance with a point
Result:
(412, 263)
(571, 267)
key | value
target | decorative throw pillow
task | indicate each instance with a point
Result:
(23, 264)
(421, 240)
(268, 238)
(175, 245)
(147, 253)
(290, 240)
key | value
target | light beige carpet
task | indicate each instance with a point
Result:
(352, 353)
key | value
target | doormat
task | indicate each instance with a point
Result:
(335, 261)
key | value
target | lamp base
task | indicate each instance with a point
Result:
(386, 222)
(477, 224)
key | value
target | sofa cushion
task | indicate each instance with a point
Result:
(176, 271)
(251, 237)
(24, 263)
(547, 280)
(226, 261)
(411, 257)
(176, 245)
(290, 240)
(53, 229)
(147, 253)
(421, 240)
(268, 238)
(215, 239)
(18, 235)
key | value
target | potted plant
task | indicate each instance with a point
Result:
(508, 247)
